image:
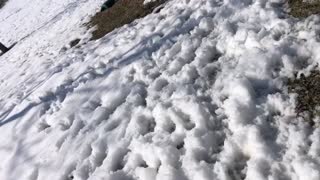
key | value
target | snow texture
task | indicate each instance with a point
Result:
(196, 91)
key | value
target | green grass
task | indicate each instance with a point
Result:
(121, 13)
(300, 9)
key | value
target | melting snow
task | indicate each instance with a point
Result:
(196, 91)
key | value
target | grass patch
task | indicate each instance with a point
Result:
(121, 13)
(300, 9)
(308, 90)
(2, 3)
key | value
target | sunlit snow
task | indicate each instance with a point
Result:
(194, 92)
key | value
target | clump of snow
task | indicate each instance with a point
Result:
(192, 92)
(148, 1)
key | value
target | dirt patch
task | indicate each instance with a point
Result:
(301, 9)
(121, 13)
(2, 3)
(308, 90)
(74, 42)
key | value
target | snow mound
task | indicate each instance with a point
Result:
(195, 91)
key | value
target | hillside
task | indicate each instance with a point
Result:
(195, 90)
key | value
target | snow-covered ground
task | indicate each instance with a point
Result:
(194, 92)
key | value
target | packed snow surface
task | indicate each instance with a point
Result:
(194, 92)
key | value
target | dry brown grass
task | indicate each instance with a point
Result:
(302, 9)
(121, 13)
(308, 90)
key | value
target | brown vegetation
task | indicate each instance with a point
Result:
(308, 90)
(121, 13)
(301, 9)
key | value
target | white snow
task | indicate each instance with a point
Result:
(196, 91)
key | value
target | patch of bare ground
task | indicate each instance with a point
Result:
(302, 9)
(308, 90)
(2, 3)
(121, 13)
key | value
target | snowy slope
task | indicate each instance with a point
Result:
(196, 91)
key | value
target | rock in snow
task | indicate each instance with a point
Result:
(196, 91)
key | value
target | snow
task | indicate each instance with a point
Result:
(196, 91)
